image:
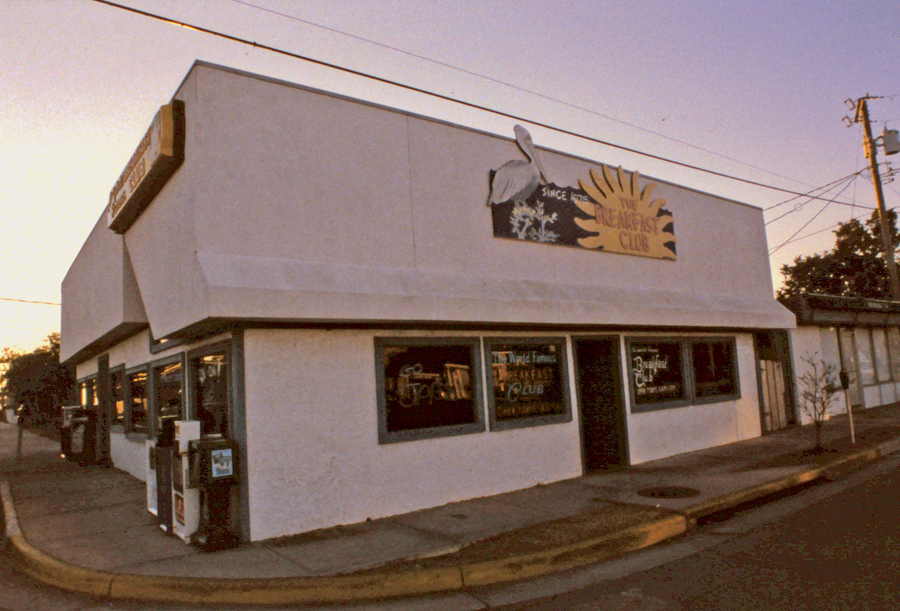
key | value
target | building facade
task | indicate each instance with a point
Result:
(388, 312)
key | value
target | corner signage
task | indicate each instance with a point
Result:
(609, 212)
(159, 154)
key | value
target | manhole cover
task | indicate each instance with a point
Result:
(669, 492)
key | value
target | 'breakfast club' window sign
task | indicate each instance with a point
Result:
(159, 154)
(527, 379)
(609, 212)
(656, 371)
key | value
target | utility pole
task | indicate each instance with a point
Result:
(862, 114)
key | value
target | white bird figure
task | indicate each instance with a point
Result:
(516, 180)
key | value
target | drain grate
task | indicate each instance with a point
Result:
(669, 492)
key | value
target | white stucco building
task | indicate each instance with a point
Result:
(859, 336)
(322, 280)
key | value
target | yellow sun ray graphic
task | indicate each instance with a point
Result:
(625, 219)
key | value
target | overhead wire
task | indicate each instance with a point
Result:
(787, 201)
(799, 206)
(451, 99)
(807, 223)
(29, 301)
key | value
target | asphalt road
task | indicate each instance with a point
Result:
(835, 546)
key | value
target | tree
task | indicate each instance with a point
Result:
(818, 387)
(37, 380)
(854, 268)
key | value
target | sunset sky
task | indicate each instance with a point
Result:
(749, 89)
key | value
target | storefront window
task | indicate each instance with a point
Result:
(529, 382)
(848, 362)
(715, 368)
(117, 398)
(657, 375)
(137, 414)
(864, 359)
(882, 362)
(168, 397)
(662, 378)
(210, 382)
(427, 388)
(893, 335)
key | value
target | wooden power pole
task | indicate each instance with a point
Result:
(862, 114)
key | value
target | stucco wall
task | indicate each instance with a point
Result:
(129, 455)
(666, 432)
(373, 214)
(312, 441)
(818, 344)
(100, 295)
(296, 205)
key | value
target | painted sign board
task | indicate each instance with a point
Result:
(611, 212)
(159, 154)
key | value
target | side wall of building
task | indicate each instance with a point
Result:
(313, 434)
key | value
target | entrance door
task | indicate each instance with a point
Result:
(599, 380)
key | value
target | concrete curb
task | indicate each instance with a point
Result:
(407, 582)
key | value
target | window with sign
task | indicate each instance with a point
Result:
(657, 374)
(674, 372)
(427, 388)
(714, 366)
(528, 382)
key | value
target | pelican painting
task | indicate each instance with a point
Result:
(516, 180)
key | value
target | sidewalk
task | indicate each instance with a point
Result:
(87, 529)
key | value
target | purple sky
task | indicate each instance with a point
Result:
(759, 85)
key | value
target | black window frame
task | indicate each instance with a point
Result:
(115, 423)
(153, 382)
(688, 376)
(731, 341)
(476, 372)
(533, 420)
(637, 408)
(130, 429)
(192, 356)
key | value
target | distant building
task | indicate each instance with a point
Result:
(859, 336)
(321, 280)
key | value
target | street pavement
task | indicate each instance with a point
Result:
(86, 529)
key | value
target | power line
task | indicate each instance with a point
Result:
(447, 98)
(853, 175)
(806, 224)
(514, 87)
(29, 301)
(799, 206)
